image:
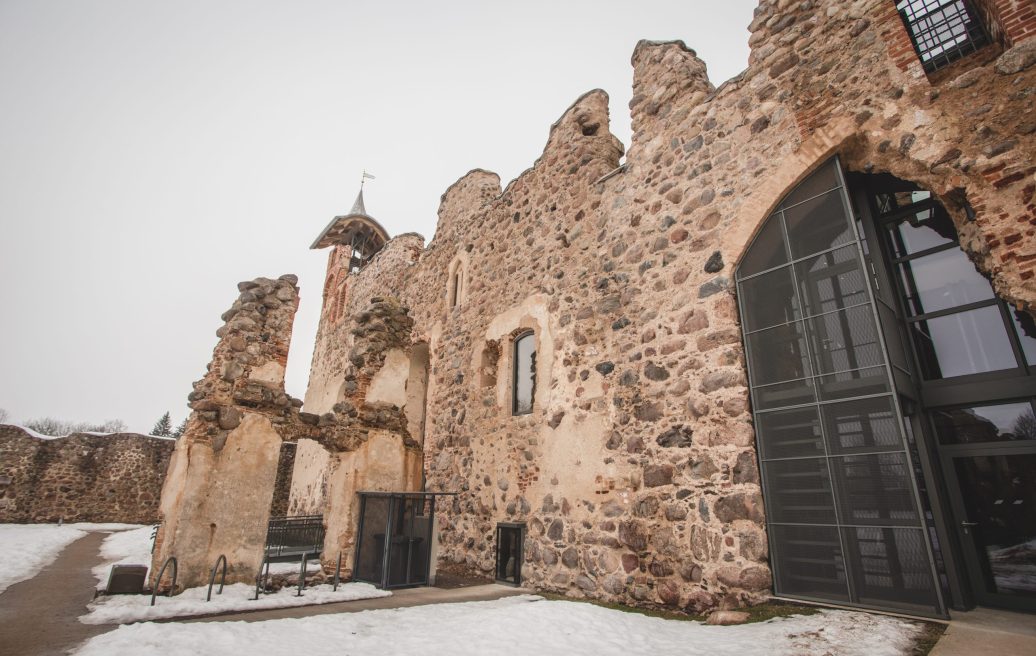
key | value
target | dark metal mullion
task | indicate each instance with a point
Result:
(812, 316)
(775, 546)
(925, 253)
(903, 212)
(900, 415)
(959, 309)
(824, 402)
(386, 552)
(850, 592)
(792, 262)
(833, 455)
(1013, 336)
(813, 376)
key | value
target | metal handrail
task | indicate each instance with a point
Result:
(158, 579)
(338, 571)
(222, 578)
(302, 576)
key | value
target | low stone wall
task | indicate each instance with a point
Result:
(81, 477)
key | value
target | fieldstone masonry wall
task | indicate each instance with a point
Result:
(223, 479)
(81, 477)
(636, 471)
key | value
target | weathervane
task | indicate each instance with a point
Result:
(366, 176)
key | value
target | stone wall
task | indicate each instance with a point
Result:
(81, 477)
(233, 465)
(636, 472)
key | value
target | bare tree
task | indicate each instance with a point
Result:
(58, 428)
(3, 416)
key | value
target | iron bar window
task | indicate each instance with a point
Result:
(942, 31)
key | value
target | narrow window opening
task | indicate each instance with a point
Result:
(524, 387)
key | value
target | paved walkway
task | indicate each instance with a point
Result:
(399, 599)
(988, 631)
(40, 616)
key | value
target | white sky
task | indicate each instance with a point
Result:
(153, 154)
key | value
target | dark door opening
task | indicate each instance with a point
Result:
(510, 540)
(393, 549)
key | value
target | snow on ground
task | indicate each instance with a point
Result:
(27, 548)
(513, 625)
(131, 547)
(312, 566)
(238, 596)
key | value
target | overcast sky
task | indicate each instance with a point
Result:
(153, 154)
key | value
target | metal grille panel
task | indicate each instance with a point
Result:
(942, 30)
(842, 505)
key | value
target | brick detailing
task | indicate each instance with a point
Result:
(1008, 21)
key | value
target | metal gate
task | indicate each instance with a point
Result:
(395, 538)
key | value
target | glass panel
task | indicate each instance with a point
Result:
(999, 494)
(769, 299)
(783, 395)
(799, 491)
(778, 354)
(831, 281)
(875, 489)
(1025, 328)
(963, 343)
(941, 281)
(845, 340)
(862, 425)
(524, 373)
(823, 179)
(847, 384)
(790, 433)
(809, 562)
(767, 250)
(925, 229)
(890, 566)
(989, 423)
(818, 225)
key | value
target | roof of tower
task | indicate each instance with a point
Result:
(355, 228)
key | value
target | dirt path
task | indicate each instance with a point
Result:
(40, 617)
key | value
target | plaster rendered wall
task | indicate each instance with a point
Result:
(636, 472)
(81, 477)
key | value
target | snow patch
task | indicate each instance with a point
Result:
(514, 625)
(132, 547)
(25, 549)
(119, 609)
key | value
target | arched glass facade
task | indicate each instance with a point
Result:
(843, 510)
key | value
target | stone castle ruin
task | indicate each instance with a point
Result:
(696, 372)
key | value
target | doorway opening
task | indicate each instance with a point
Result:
(510, 541)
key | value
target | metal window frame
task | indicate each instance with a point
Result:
(848, 567)
(526, 334)
(927, 34)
